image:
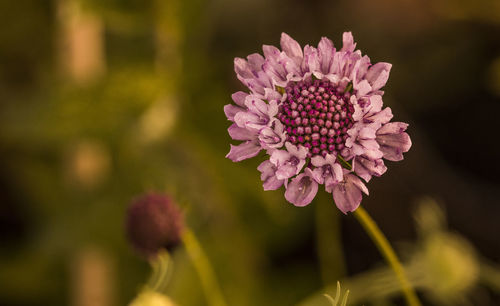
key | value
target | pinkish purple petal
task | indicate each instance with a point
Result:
(273, 136)
(311, 60)
(348, 193)
(287, 163)
(248, 119)
(272, 95)
(242, 69)
(231, 110)
(250, 73)
(362, 141)
(333, 177)
(258, 116)
(319, 160)
(268, 176)
(243, 151)
(381, 117)
(362, 88)
(255, 62)
(393, 140)
(302, 189)
(359, 71)
(298, 151)
(262, 108)
(291, 48)
(239, 98)
(326, 52)
(375, 104)
(286, 171)
(378, 75)
(238, 133)
(348, 42)
(366, 167)
(327, 172)
(317, 175)
(259, 83)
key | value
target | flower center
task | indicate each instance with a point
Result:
(316, 115)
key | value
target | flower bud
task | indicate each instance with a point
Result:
(153, 222)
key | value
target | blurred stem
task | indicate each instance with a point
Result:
(388, 252)
(331, 258)
(204, 269)
(162, 271)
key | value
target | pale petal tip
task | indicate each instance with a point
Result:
(348, 42)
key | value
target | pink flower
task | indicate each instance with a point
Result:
(318, 114)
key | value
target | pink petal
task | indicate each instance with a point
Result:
(367, 133)
(392, 128)
(378, 75)
(381, 117)
(302, 189)
(243, 151)
(272, 183)
(299, 151)
(286, 171)
(246, 119)
(255, 62)
(268, 176)
(393, 145)
(366, 167)
(242, 69)
(278, 157)
(238, 133)
(326, 52)
(362, 88)
(272, 95)
(291, 48)
(332, 181)
(231, 110)
(272, 137)
(348, 42)
(270, 51)
(348, 194)
(239, 98)
(360, 69)
(376, 104)
(317, 175)
(319, 160)
(311, 60)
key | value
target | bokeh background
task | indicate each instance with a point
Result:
(104, 100)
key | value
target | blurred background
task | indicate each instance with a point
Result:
(104, 100)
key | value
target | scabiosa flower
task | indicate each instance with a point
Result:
(153, 222)
(319, 116)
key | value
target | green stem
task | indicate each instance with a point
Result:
(204, 269)
(387, 251)
(162, 271)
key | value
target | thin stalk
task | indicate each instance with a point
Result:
(203, 268)
(388, 252)
(162, 270)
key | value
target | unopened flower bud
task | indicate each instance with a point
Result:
(153, 222)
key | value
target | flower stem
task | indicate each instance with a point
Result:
(203, 268)
(162, 270)
(388, 252)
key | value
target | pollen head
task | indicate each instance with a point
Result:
(317, 115)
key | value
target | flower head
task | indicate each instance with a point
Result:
(153, 222)
(319, 116)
